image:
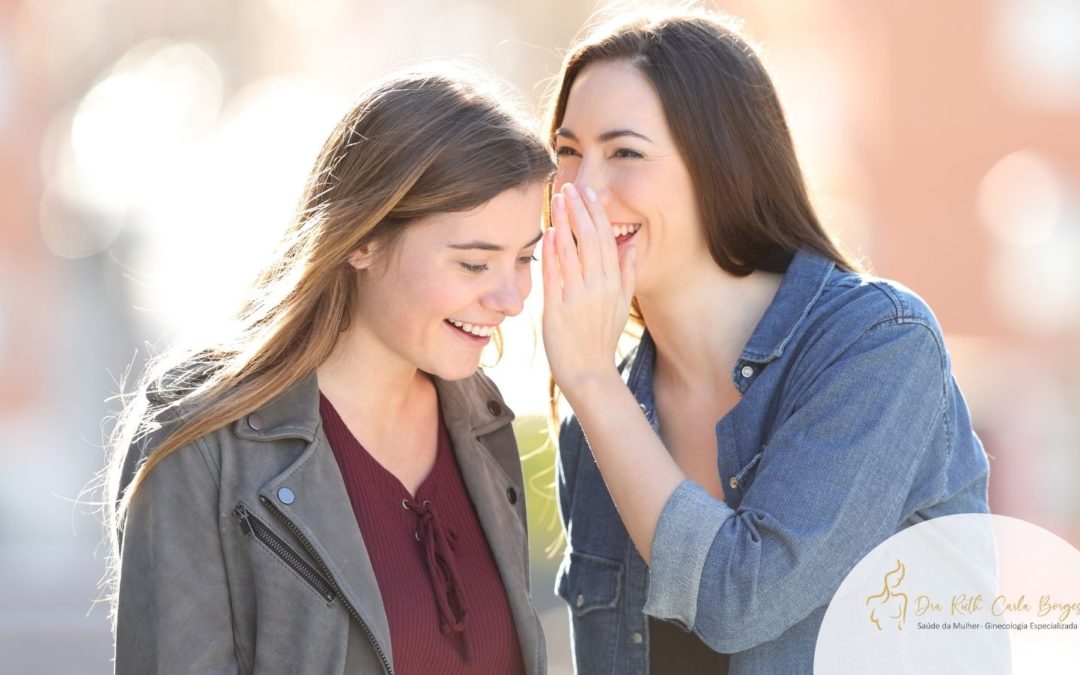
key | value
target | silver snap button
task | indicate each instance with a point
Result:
(286, 496)
(747, 372)
(638, 638)
(734, 483)
(405, 504)
(255, 421)
(580, 602)
(416, 534)
(643, 408)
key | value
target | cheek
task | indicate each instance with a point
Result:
(446, 298)
(524, 283)
(422, 286)
(635, 188)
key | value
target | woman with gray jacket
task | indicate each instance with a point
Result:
(335, 487)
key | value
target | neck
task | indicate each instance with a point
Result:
(372, 388)
(701, 326)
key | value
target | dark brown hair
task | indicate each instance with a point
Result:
(729, 127)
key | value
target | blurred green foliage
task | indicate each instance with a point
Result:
(537, 448)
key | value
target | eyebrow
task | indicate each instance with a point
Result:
(488, 246)
(604, 137)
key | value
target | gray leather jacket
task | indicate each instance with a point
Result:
(241, 552)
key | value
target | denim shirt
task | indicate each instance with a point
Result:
(850, 428)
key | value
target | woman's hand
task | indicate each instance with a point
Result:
(588, 287)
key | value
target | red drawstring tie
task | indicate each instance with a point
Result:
(439, 546)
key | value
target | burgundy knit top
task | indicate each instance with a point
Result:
(444, 599)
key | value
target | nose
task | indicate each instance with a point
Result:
(589, 174)
(508, 295)
(588, 171)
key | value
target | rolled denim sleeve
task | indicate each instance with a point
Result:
(831, 484)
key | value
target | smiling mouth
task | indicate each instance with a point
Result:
(624, 232)
(475, 332)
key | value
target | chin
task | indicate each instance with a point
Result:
(451, 372)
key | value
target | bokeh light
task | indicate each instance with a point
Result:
(1036, 51)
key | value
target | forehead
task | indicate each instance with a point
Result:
(610, 95)
(509, 219)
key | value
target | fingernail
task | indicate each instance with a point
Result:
(590, 194)
(570, 190)
(557, 200)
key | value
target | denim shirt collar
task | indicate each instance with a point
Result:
(803, 283)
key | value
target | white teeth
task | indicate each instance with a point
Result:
(479, 331)
(623, 230)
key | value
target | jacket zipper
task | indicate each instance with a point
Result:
(389, 669)
(253, 526)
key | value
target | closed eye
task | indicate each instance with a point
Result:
(474, 268)
(527, 259)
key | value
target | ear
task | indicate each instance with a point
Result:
(364, 256)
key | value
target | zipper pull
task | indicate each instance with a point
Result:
(241, 512)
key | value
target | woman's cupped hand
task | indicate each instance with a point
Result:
(588, 287)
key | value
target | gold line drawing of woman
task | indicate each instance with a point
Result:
(890, 597)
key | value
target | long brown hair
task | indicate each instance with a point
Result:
(728, 125)
(415, 144)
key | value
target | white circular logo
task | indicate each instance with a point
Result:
(968, 593)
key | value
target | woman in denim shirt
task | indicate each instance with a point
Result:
(783, 413)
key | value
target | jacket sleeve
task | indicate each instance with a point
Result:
(830, 485)
(570, 449)
(173, 612)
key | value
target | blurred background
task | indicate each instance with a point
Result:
(151, 152)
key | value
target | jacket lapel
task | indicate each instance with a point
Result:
(320, 510)
(473, 414)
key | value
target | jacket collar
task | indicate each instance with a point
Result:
(803, 284)
(473, 404)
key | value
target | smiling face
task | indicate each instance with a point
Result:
(432, 299)
(614, 138)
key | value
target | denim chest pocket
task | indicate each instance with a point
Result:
(588, 583)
